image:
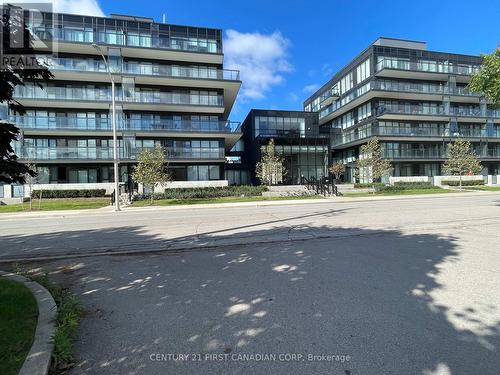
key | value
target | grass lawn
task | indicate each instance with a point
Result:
(402, 192)
(484, 188)
(58, 204)
(18, 319)
(169, 202)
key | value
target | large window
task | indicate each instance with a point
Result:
(346, 83)
(203, 172)
(274, 126)
(363, 71)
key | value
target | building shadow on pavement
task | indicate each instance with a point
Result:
(380, 302)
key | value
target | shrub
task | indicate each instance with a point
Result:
(414, 185)
(369, 185)
(83, 193)
(207, 192)
(401, 186)
(464, 182)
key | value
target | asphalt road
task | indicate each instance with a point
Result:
(408, 286)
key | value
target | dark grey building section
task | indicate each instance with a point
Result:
(297, 138)
(414, 100)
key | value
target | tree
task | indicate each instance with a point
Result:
(151, 169)
(487, 80)
(11, 170)
(337, 169)
(462, 160)
(270, 169)
(371, 163)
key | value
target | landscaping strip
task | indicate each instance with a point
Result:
(39, 357)
(171, 202)
(57, 204)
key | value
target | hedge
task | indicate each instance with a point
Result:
(414, 185)
(464, 182)
(369, 185)
(90, 193)
(207, 192)
(401, 186)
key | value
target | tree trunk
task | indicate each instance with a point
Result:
(460, 182)
(40, 200)
(31, 198)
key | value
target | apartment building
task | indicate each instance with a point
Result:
(414, 101)
(171, 89)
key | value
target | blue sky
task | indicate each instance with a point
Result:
(287, 48)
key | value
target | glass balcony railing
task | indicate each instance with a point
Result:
(396, 86)
(429, 132)
(432, 154)
(165, 125)
(106, 153)
(437, 110)
(104, 94)
(130, 39)
(411, 109)
(173, 71)
(420, 88)
(427, 66)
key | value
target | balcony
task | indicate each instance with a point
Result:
(99, 124)
(100, 98)
(105, 154)
(384, 88)
(428, 69)
(432, 154)
(413, 111)
(438, 134)
(328, 97)
(143, 69)
(421, 88)
(131, 39)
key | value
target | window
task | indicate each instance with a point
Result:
(363, 71)
(346, 83)
(279, 126)
(364, 111)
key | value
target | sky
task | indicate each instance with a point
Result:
(285, 50)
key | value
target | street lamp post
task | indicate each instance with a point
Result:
(113, 123)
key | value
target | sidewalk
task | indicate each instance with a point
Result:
(108, 209)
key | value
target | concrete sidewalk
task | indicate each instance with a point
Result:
(110, 209)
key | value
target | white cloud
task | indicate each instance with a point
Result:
(261, 59)
(327, 70)
(84, 7)
(309, 89)
(293, 97)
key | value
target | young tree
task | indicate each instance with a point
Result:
(371, 163)
(270, 169)
(487, 80)
(337, 169)
(11, 170)
(151, 169)
(462, 160)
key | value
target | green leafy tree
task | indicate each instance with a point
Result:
(270, 169)
(371, 163)
(337, 169)
(487, 80)
(151, 169)
(11, 170)
(462, 160)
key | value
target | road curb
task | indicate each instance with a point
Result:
(37, 361)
